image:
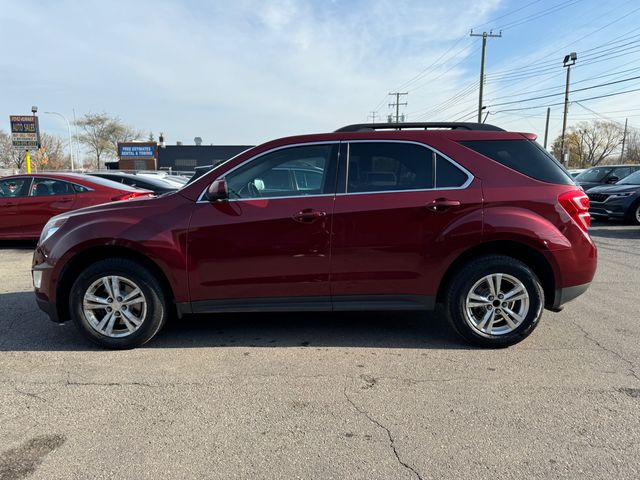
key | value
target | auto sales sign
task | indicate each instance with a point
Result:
(24, 132)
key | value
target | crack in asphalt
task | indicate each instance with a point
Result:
(391, 439)
(631, 365)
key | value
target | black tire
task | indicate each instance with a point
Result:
(468, 276)
(633, 215)
(156, 307)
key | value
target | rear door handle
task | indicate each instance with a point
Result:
(309, 215)
(442, 204)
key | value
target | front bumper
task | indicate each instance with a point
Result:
(44, 285)
(48, 308)
(611, 208)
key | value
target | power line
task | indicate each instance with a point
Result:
(540, 14)
(562, 93)
(574, 101)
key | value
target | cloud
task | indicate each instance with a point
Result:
(231, 72)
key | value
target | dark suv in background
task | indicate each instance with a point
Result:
(604, 175)
(620, 201)
(389, 217)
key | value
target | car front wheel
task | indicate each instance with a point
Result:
(118, 304)
(494, 301)
(634, 214)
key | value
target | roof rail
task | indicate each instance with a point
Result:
(369, 127)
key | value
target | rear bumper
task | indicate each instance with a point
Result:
(566, 294)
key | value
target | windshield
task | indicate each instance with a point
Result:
(595, 174)
(633, 179)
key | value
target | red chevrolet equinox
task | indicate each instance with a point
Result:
(370, 217)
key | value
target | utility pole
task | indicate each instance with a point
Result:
(397, 103)
(624, 138)
(546, 127)
(484, 36)
(372, 116)
(568, 62)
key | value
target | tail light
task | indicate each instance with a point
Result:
(576, 204)
(130, 195)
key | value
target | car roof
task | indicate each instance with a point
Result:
(149, 179)
(79, 178)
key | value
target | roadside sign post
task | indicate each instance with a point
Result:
(25, 135)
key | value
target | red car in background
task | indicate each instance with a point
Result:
(27, 202)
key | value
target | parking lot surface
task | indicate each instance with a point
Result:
(366, 396)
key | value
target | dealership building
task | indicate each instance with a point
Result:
(179, 157)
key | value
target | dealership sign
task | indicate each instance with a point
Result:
(137, 150)
(24, 132)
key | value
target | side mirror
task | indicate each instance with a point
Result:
(218, 190)
(612, 180)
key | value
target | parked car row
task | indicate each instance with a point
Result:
(27, 202)
(614, 191)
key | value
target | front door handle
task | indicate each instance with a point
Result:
(442, 204)
(309, 215)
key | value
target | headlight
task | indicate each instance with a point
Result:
(51, 227)
(620, 195)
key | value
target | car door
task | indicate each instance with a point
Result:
(401, 213)
(12, 192)
(268, 245)
(47, 197)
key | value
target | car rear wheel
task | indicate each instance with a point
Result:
(494, 301)
(118, 304)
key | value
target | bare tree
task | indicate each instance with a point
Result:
(122, 133)
(102, 133)
(632, 146)
(571, 145)
(597, 140)
(97, 130)
(51, 154)
(10, 157)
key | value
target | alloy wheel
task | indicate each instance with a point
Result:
(496, 305)
(114, 306)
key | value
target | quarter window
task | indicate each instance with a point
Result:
(448, 175)
(294, 171)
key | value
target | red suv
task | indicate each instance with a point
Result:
(370, 217)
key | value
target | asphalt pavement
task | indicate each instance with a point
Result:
(318, 396)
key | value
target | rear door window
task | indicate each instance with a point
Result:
(524, 156)
(388, 166)
(45, 187)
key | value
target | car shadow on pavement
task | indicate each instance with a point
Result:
(18, 244)
(628, 232)
(23, 327)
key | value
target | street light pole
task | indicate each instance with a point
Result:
(568, 61)
(69, 132)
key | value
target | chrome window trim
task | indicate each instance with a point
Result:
(470, 176)
(255, 157)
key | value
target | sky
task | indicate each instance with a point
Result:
(247, 71)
